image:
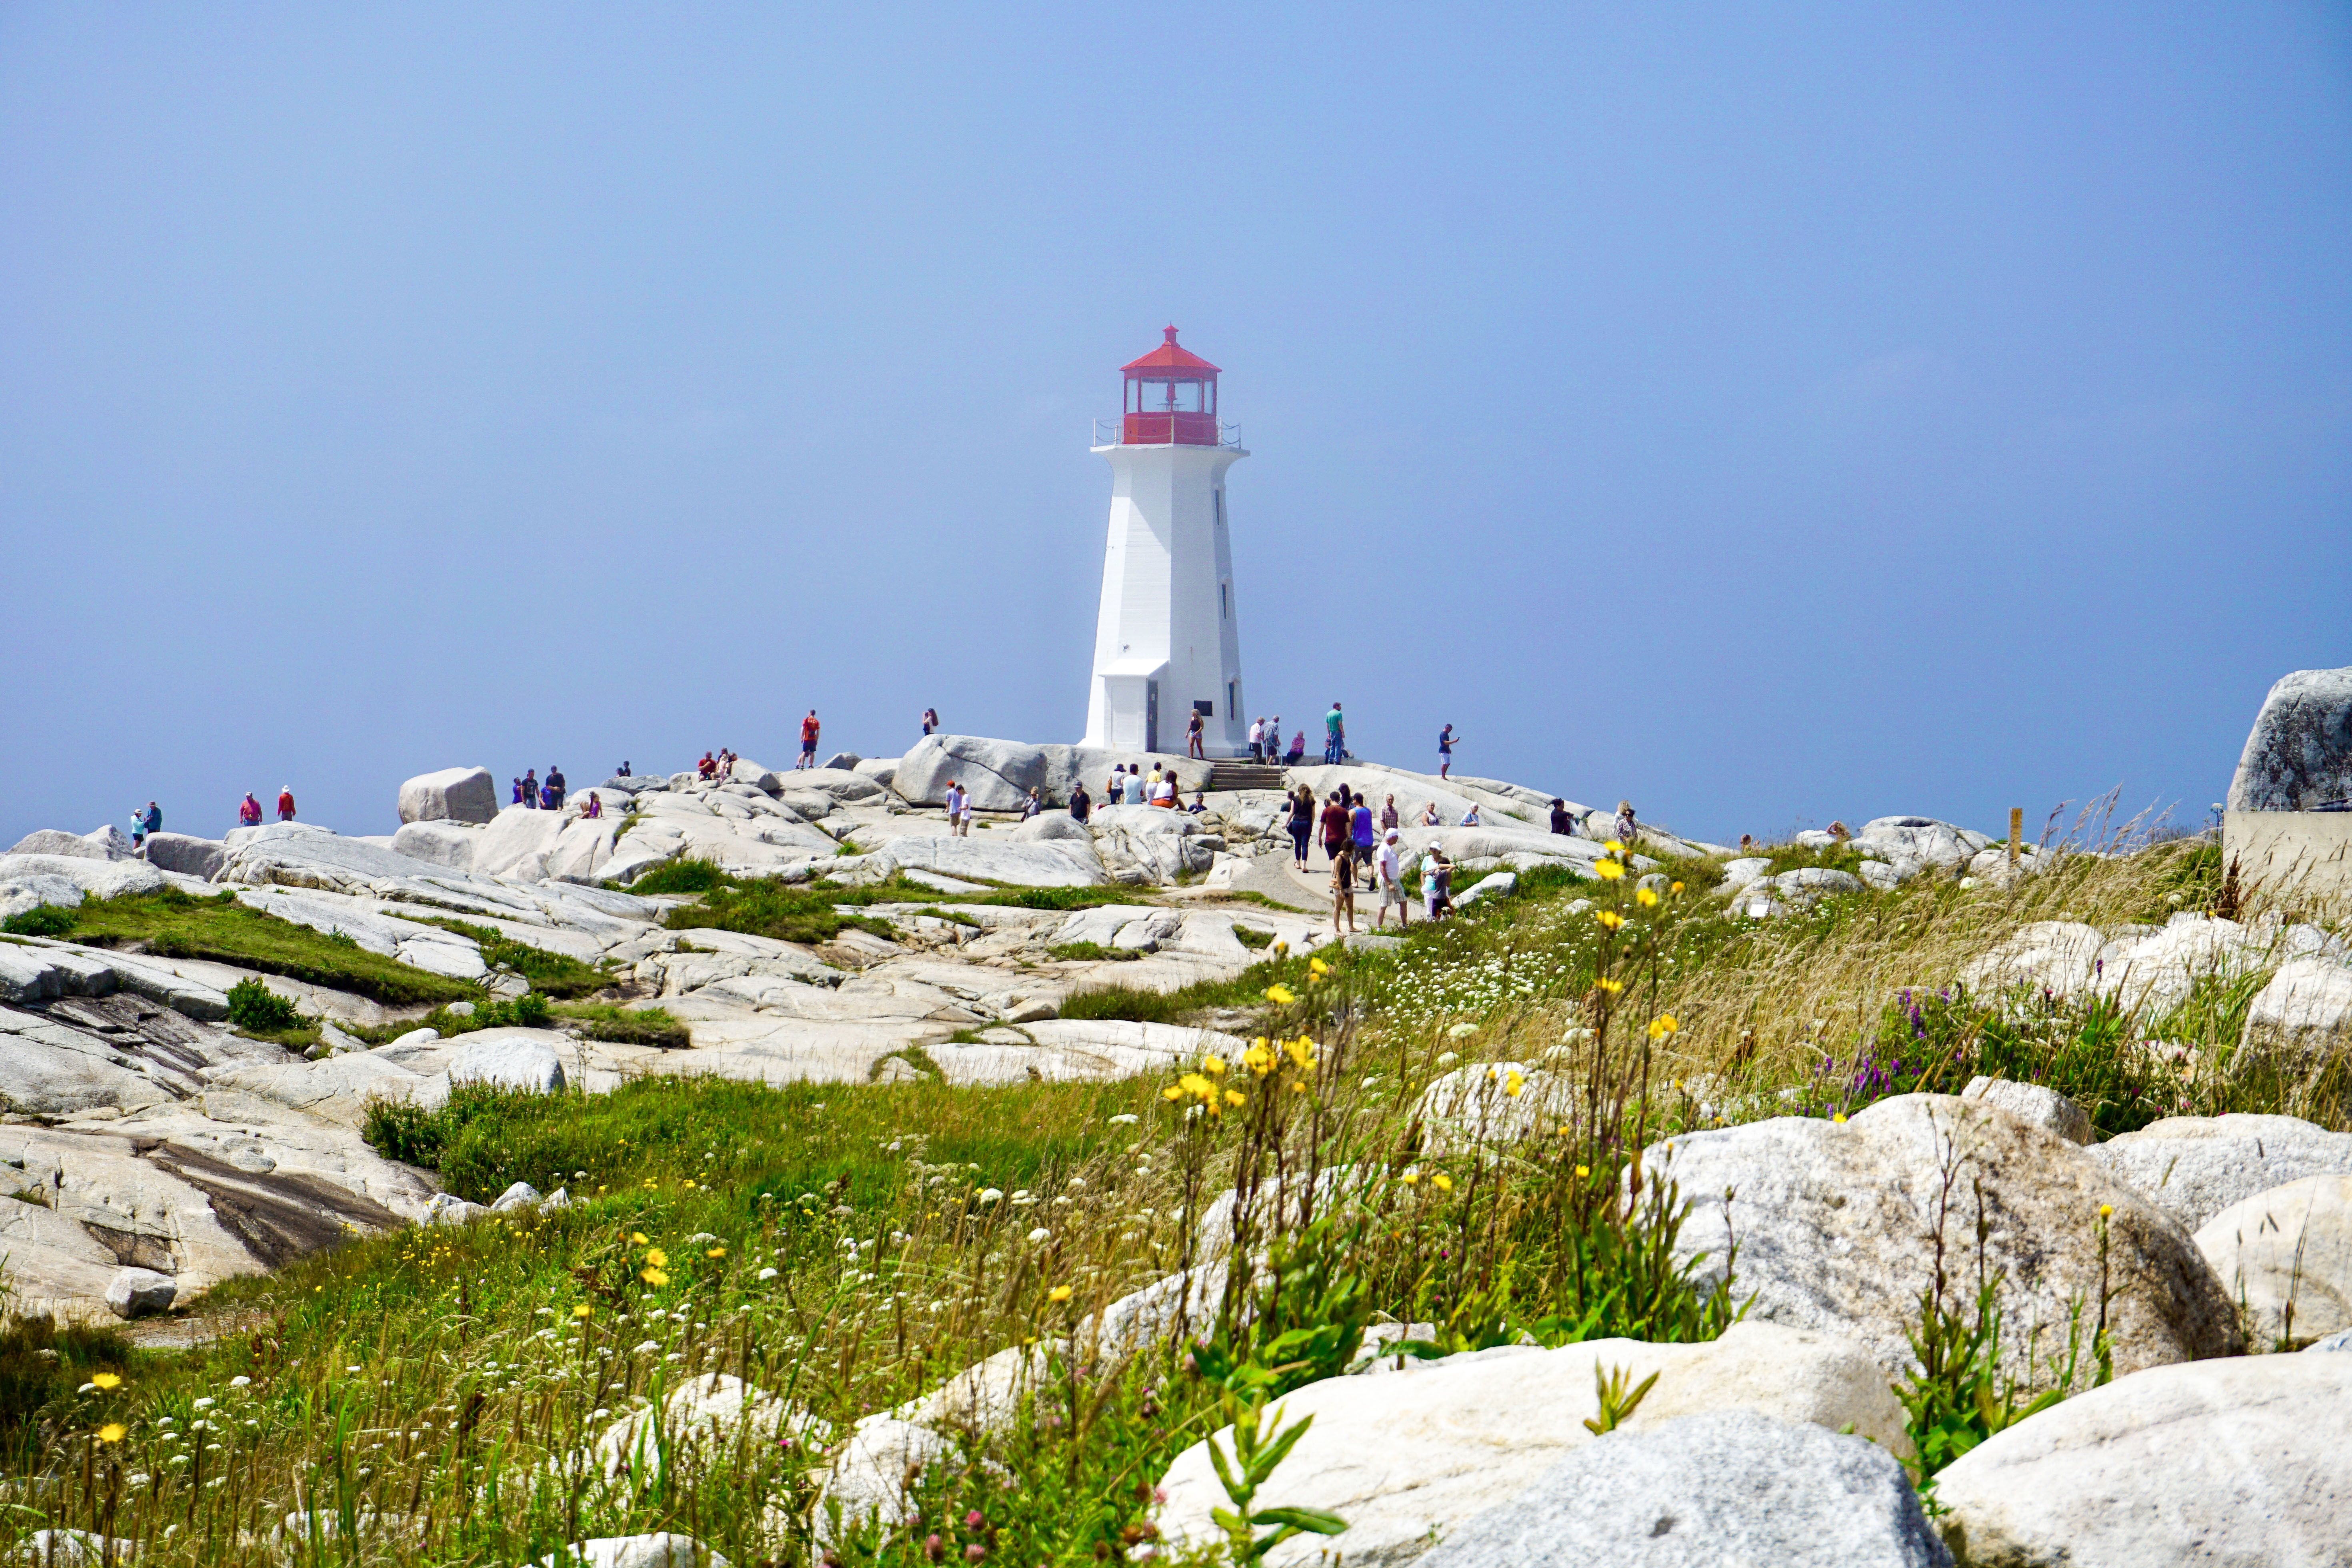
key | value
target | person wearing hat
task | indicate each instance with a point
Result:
(285, 803)
(1390, 868)
(1626, 827)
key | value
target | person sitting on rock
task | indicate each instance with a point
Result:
(1470, 818)
(1163, 793)
(1627, 828)
(726, 765)
(1034, 806)
(593, 808)
(624, 769)
(1562, 821)
(1133, 794)
(1297, 749)
(285, 803)
(1841, 832)
(249, 811)
(707, 768)
(1429, 817)
(1200, 807)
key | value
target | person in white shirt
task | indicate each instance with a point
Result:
(1257, 739)
(1390, 868)
(959, 810)
(1470, 818)
(1164, 793)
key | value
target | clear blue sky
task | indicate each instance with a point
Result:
(1770, 414)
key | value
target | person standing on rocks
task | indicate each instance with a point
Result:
(930, 720)
(143, 822)
(1390, 867)
(959, 810)
(1302, 822)
(1437, 883)
(1444, 751)
(285, 803)
(1389, 820)
(1034, 806)
(555, 783)
(249, 811)
(1627, 828)
(1193, 737)
(808, 741)
(1335, 735)
(1257, 739)
(1082, 805)
(531, 789)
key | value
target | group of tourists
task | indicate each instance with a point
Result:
(532, 793)
(1266, 742)
(1128, 786)
(716, 767)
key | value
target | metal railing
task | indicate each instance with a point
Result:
(1112, 432)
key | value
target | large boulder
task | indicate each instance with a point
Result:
(2058, 956)
(2299, 752)
(1836, 1224)
(1407, 1454)
(453, 795)
(517, 841)
(2152, 974)
(95, 876)
(2300, 1018)
(524, 1059)
(2237, 1461)
(140, 1293)
(2286, 1255)
(56, 841)
(440, 841)
(1914, 842)
(1731, 1486)
(186, 856)
(2193, 1167)
(2034, 1104)
(1047, 864)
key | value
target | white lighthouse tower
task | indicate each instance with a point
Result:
(1168, 641)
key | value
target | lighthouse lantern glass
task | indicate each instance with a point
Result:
(1172, 398)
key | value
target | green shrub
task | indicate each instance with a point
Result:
(46, 920)
(1256, 941)
(1094, 952)
(628, 1026)
(254, 1007)
(686, 875)
(557, 974)
(41, 1365)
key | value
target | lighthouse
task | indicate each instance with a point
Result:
(1168, 639)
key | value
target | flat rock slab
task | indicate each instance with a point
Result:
(2193, 1167)
(2212, 1462)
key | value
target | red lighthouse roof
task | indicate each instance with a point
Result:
(1170, 355)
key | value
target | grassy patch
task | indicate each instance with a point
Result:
(47, 920)
(623, 1025)
(528, 1011)
(41, 1365)
(1256, 941)
(556, 974)
(170, 922)
(1093, 951)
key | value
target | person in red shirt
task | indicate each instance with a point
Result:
(808, 739)
(285, 803)
(249, 811)
(1334, 826)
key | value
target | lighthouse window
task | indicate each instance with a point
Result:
(1225, 600)
(1220, 507)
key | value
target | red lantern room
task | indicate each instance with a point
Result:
(1172, 398)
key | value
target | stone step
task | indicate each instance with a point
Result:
(1244, 776)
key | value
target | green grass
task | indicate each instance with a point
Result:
(1092, 951)
(175, 925)
(624, 1025)
(556, 974)
(528, 1011)
(47, 920)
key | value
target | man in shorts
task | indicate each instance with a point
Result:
(1389, 866)
(808, 741)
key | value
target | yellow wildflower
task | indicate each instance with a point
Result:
(1172, 1092)
(1582, 1170)
(2106, 1209)
(1281, 995)
(1059, 1293)
(655, 1278)
(1301, 1052)
(1513, 1084)
(1614, 845)
(1318, 968)
(1259, 1058)
(637, 1238)
(1234, 1097)
(105, 1380)
(583, 1311)
(716, 1252)
(1194, 1084)
(1610, 919)
(657, 1258)
(1645, 896)
(112, 1432)
(1608, 870)
(1661, 1026)
(1839, 1117)
(1611, 987)
(1442, 1182)
(1410, 1177)
(1214, 1065)
(1676, 889)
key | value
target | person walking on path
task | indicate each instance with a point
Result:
(1363, 837)
(1444, 751)
(285, 803)
(555, 783)
(930, 720)
(143, 822)
(1082, 805)
(1335, 735)
(1336, 831)
(808, 741)
(1274, 739)
(1343, 890)
(1257, 739)
(1302, 822)
(249, 811)
(1193, 736)
(1389, 866)
(959, 810)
